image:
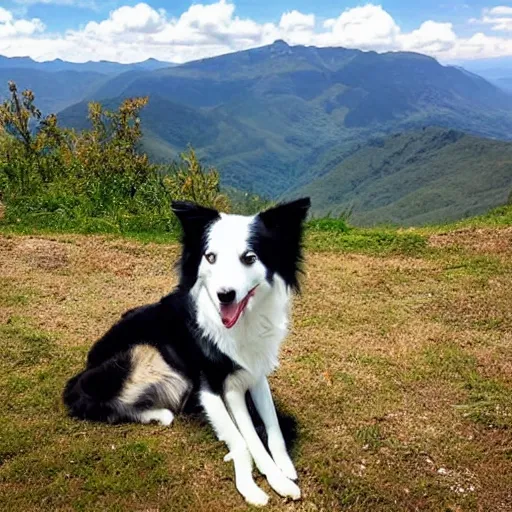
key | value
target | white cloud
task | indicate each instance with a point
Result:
(134, 33)
(366, 27)
(5, 16)
(500, 10)
(138, 19)
(295, 20)
(295, 27)
(498, 18)
(11, 28)
(431, 37)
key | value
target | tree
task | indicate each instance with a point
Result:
(15, 116)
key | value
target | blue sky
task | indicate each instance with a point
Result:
(179, 30)
(409, 13)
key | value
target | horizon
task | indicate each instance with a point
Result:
(130, 32)
(59, 59)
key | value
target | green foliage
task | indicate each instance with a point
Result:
(338, 224)
(270, 117)
(370, 241)
(246, 203)
(414, 178)
(501, 216)
(97, 180)
(189, 180)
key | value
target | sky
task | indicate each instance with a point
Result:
(180, 31)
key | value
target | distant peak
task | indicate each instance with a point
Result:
(280, 42)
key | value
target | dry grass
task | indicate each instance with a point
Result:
(484, 240)
(398, 369)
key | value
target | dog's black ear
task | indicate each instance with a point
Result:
(279, 245)
(286, 216)
(193, 217)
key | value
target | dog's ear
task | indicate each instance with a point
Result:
(286, 216)
(193, 217)
(280, 246)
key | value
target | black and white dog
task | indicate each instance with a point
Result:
(212, 340)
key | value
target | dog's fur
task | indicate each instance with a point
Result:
(162, 358)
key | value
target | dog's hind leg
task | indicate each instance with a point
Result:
(153, 391)
(136, 385)
(163, 416)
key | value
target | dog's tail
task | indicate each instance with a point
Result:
(92, 394)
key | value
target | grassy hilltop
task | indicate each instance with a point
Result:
(397, 369)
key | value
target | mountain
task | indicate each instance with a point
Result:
(367, 87)
(498, 71)
(102, 66)
(54, 90)
(426, 176)
(273, 111)
(59, 84)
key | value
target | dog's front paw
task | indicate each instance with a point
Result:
(282, 459)
(284, 486)
(253, 494)
(285, 464)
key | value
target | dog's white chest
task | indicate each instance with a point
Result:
(253, 343)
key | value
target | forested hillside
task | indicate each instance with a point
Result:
(428, 176)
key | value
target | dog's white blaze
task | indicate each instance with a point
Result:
(253, 342)
(228, 239)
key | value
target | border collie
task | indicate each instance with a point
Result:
(215, 338)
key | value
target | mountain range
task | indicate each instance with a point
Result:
(59, 84)
(103, 66)
(497, 70)
(280, 120)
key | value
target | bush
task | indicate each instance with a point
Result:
(94, 180)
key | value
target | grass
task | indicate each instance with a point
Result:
(398, 368)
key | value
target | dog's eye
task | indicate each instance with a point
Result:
(248, 258)
(211, 257)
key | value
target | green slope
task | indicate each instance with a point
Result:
(428, 176)
(54, 90)
(276, 118)
(277, 108)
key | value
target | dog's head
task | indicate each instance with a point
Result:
(236, 258)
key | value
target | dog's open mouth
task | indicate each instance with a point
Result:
(230, 313)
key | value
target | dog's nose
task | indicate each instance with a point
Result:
(226, 297)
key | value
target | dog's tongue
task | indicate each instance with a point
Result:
(231, 313)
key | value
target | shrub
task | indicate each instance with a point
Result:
(94, 180)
